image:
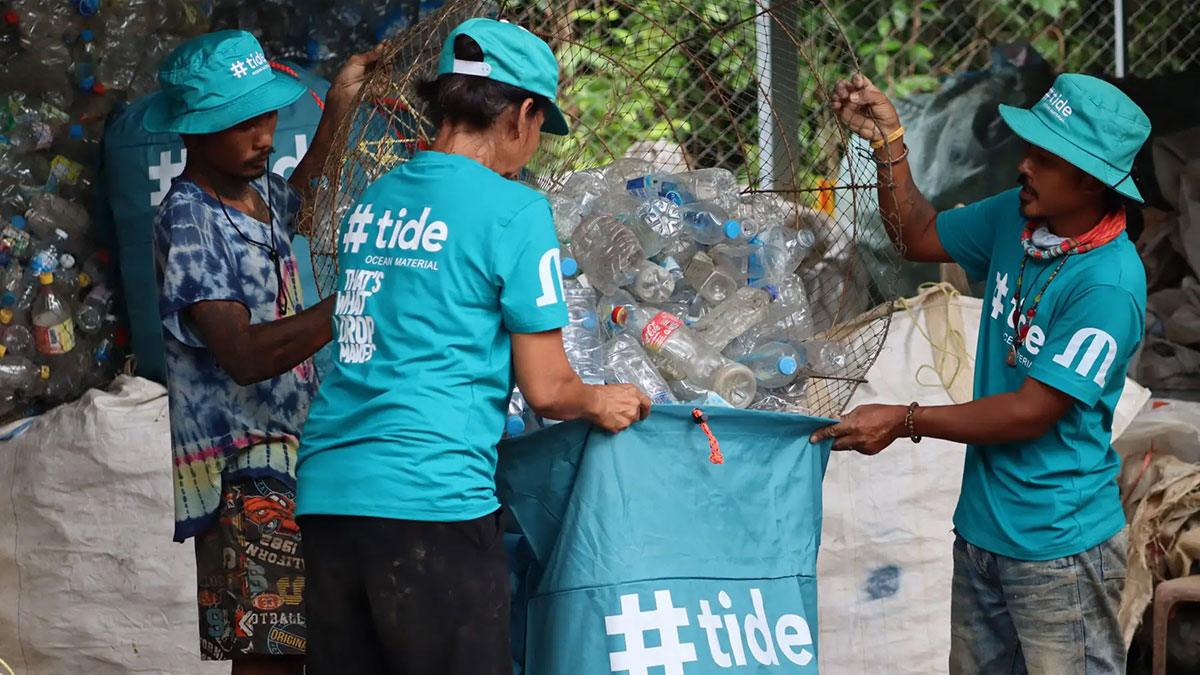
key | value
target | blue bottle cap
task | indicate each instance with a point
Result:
(87, 34)
(76, 131)
(514, 426)
(732, 229)
(18, 222)
(787, 365)
(88, 7)
(569, 267)
(8, 299)
(87, 83)
(773, 290)
(589, 321)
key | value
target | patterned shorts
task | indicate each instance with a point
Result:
(250, 571)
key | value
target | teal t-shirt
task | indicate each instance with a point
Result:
(1055, 496)
(438, 263)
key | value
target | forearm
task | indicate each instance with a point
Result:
(1001, 418)
(318, 151)
(270, 349)
(569, 399)
(907, 215)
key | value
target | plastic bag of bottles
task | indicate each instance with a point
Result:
(688, 289)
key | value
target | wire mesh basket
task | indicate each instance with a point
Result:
(726, 83)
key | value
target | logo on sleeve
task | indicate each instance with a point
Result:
(1097, 343)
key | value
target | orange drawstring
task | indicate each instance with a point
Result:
(701, 419)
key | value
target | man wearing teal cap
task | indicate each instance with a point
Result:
(237, 339)
(1039, 559)
(449, 290)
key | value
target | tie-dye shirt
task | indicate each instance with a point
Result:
(220, 429)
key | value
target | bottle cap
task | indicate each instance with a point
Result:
(18, 222)
(101, 256)
(6, 316)
(787, 365)
(805, 238)
(12, 18)
(589, 321)
(66, 260)
(515, 426)
(3, 351)
(46, 278)
(88, 7)
(773, 291)
(620, 315)
(76, 131)
(99, 89)
(732, 229)
(569, 267)
(85, 280)
(8, 299)
(45, 372)
(87, 34)
(87, 83)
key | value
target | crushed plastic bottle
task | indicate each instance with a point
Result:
(737, 314)
(17, 372)
(708, 223)
(607, 251)
(16, 337)
(626, 362)
(702, 274)
(94, 309)
(653, 283)
(666, 334)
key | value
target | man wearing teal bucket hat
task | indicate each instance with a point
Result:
(1039, 560)
(449, 290)
(237, 339)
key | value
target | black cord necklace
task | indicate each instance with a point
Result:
(281, 297)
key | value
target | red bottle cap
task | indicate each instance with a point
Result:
(11, 18)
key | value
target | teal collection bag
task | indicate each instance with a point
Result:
(647, 557)
(137, 171)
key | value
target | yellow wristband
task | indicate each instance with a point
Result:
(890, 137)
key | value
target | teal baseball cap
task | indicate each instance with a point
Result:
(1089, 123)
(511, 55)
(217, 81)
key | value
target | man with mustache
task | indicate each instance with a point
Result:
(238, 340)
(1039, 557)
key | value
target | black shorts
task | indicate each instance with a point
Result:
(406, 597)
(250, 573)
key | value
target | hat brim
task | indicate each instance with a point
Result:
(555, 123)
(280, 92)
(1031, 128)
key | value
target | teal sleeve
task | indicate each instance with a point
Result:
(968, 233)
(528, 265)
(1089, 344)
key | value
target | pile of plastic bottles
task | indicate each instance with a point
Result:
(685, 287)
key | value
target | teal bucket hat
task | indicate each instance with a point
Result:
(511, 55)
(215, 82)
(1089, 123)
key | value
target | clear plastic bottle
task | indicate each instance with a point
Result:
(620, 171)
(514, 423)
(84, 59)
(775, 364)
(714, 185)
(584, 187)
(789, 319)
(16, 337)
(686, 391)
(708, 223)
(607, 252)
(823, 357)
(734, 258)
(626, 362)
(734, 316)
(53, 327)
(17, 372)
(666, 335)
(604, 310)
(702, 273)
(29, 137)
(782, 251)
(653, 284)
(96, 269)
(567, 215)
(581, 337)
(51, 213)
(94, 309)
